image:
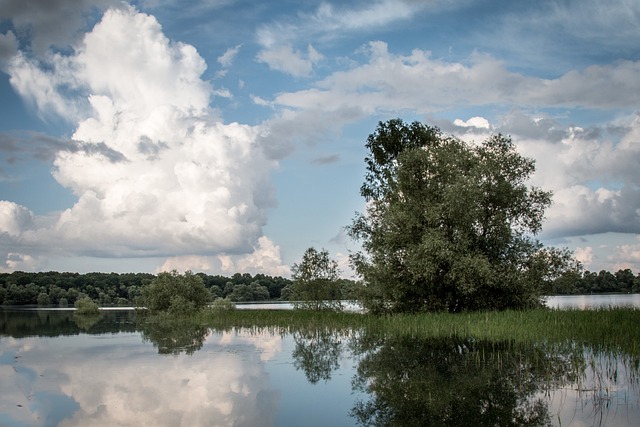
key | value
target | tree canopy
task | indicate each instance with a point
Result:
(449, 225)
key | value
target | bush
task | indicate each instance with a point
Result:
(175, 293)
(86, 306)
(223, 304)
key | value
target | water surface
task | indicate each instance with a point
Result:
(57, 369)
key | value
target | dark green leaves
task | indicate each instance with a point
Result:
(447, 223)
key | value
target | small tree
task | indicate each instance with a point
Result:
(316, 283)
(175, 293)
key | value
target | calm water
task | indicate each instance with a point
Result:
(60, 370)
(562, 302)
(594, 301)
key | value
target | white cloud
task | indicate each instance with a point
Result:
(167, 177)
(14, 218)
(41, 87)
(373, 14)
(420, 83)
(259, 101)
(473, 122)
(265, 259)
(328, 21)
(20, 262)
(188, 262)
(289, 60)
(227, 58)
(223, 93)
(584, 255)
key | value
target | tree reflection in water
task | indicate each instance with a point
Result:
(86, 321)
(454, 381)
(174, 335)
(317, 353)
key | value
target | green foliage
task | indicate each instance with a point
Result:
(85, 306)
(43, 299)
(623, 281)
(252, 292)
(316, 284)
(175, 293)
(222, 304)
(448, 225)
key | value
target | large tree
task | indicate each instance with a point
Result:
(450, 225)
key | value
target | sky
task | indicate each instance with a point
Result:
(229, 136)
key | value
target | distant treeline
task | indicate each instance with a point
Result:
(113, 289)
(590, 282)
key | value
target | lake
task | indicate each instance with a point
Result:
(57, 369)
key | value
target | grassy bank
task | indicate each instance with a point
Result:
(608, 329)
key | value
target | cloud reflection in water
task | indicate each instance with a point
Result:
(118, 380)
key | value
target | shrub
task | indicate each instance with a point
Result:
(86, 306)
(175, 293)
(223, 304)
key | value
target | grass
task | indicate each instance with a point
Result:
(615, 329)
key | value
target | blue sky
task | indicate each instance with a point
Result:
(225, 136)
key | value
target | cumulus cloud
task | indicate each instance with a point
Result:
(155, 171)
(265, 258)
(594, 180)
(14, 219)
(584, 255)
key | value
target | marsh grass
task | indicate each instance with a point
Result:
(615, 329)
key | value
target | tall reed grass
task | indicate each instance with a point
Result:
(614, 329)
